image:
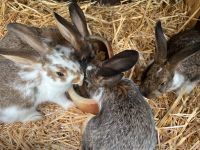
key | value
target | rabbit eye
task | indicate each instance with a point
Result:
(60, 74)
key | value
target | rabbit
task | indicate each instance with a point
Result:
(176, 65)
(29, 78)
(124, 120)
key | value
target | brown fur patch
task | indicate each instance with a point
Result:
(52, 75)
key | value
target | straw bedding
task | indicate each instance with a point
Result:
(128, 26)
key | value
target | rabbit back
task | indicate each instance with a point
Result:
(181, 40)
(124, 122)
(9, 95)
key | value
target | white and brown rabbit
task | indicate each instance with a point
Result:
(176, 65)
(29, 78)
(125, 119)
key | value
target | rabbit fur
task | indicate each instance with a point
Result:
(125, 119)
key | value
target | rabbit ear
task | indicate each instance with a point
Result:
(78, 18)
(53, 35)
(121, 62)
(25, 34)
(18, 56)
(161, 44)
(110, 81)
(67, 31)
(182, 55)
(101, 44)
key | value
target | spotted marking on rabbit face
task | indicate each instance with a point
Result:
(62, 68)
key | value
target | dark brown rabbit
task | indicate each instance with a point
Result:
(176, 65)
(125, 119)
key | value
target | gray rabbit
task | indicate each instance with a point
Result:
(176, 65)
(125, 119)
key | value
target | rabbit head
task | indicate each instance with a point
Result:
(108, 72)
(102, 75)
(56, 67)
(161, 75)
(86, 45)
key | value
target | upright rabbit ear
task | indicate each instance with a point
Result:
(121, 62)
(68, 32)
(101, 45)
(161, 44)
(182, 55)
(19, 56)
(78, 18)
(26, 35)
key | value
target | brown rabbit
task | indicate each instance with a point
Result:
(125, 119)
(176, 65)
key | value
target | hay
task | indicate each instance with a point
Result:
(128, 26)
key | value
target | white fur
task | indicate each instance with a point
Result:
(89, 68)
(178, 81)
(181, 84)
(56, 58)
(27, 89)
(13, 113)
(187, 87)
(98, 96)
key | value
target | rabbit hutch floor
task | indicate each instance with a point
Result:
(128, 26)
